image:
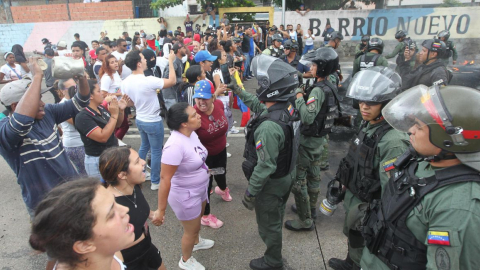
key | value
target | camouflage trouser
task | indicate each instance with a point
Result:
(350, 226)
(306, 186)
(324, 164)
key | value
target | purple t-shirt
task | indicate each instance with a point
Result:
(189, 154)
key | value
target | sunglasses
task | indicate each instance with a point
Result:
(124, 46)
(369, 103)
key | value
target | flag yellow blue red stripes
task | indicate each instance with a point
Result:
(259, 144)
(310, 100)
(438, 238)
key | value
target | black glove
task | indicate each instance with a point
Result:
(248, 200)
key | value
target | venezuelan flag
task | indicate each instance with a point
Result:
(259, 144)
(310, 100)
(439, 238)
(238, 103)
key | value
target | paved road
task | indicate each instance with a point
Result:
(235, 244)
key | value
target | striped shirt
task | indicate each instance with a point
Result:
(34, 151)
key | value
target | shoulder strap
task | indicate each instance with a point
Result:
(375, 58)
(18, 76)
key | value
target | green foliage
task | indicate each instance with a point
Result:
(163, 4)
(451, 3)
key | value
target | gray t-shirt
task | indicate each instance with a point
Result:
(49, 79)
(171, 93)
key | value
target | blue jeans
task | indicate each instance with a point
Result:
(91, 166)
(307, 48)
(248, 59)
(152, 139)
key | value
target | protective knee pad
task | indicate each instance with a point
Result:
(313, 194)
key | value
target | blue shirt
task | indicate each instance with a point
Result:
(252, 47)
(34, 151)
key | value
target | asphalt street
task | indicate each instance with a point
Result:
(236, 243)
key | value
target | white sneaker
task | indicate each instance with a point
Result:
(233, 130)
(147, 176)
(203, 244)
(154, 186)
(229, 155)
(190, 264)
(227, 145)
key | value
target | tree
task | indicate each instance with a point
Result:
(451, 3)
(163, 4)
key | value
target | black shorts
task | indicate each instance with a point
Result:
(142, 256)
(162, 33)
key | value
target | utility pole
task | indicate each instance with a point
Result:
(283, 12)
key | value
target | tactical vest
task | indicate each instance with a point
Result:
(384, 227)
(449, 52)
(368, 61)
(357, 171)
(286, 116)
(276, 53)
(322, 125)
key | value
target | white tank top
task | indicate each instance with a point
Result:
(122, 266)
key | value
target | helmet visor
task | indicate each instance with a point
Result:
(371, 85)
(421, 106)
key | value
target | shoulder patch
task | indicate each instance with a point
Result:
(258, 145)
(290, 109)
(388, 165)
(442, 260)
(438, 238)
(310, 100)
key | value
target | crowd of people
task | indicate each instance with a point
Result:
(191, 81)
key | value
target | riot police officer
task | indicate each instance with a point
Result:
(335, 78)
(270, 152)
(431, 71)
(318, 108)
(361, 48)
(373, 57)
(293, 58)
(370, 157)
(276, 49)
(444, 36)
(428, 215)
(400, 36)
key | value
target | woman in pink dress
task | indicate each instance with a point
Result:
(184, 180)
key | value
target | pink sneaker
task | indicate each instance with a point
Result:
(225, 194)
(212, 221)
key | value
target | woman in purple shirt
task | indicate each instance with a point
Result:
(184, 180)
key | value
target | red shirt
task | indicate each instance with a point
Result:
(213, 134)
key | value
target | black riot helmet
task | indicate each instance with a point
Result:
(277, 80)
(45, 40)
(376, 44)
(335, 34)
(290, 44)
(435, 45)
(445, 34)
(277, 37)
(365, 38)
(326, 59)
(400, 34)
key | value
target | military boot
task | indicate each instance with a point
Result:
(298, 225)
(260, 264)
(313, 211)
(339, 264)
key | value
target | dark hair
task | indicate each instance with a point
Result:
(92, 84)
(105, 68)
(94, 41)
(99, 49)
(228, 46)
(64, 217)
(222, 43)
(77, 44)
(132, 59)
(193, 72)
(108, 43)
(177, 115)
(213, 45)
(76, 35)
(120, 40)
(113, 161)
(310, 29)
(134, 43)
(216, 63)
